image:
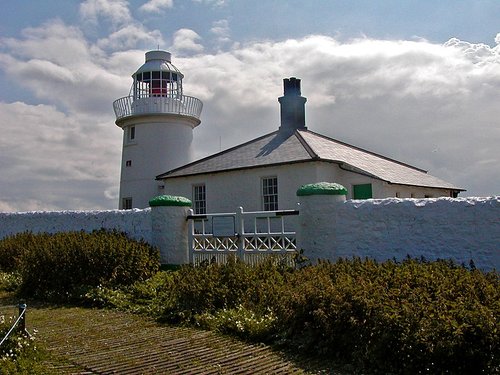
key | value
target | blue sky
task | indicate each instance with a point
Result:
(417, 81)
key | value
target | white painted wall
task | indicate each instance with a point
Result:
(171, 233)
(461, 229)
(226, 191)
(136, 223)
(162, 142)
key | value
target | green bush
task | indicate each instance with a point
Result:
(214, 287)
(63, 266)
(11, 249)
(9, 281)
(145, 297)
(411, 317)
(240, 322)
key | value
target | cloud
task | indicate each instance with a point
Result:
(115, 11)
(214, 3)
(130, 36)
(185, 40)
(221, 31)
(156, 6)
(53, 41)
(52, 160)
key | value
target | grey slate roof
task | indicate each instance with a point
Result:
(304, 146)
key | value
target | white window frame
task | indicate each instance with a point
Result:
(200, 199)
(269, 191)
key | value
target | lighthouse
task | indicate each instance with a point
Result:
(157, 121)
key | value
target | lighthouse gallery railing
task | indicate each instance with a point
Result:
(182, 105)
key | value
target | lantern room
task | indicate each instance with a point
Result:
(157, 77)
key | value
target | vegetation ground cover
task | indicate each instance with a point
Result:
(400, 317)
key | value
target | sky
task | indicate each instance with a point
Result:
(417, 81)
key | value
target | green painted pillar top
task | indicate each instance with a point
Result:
(322, 188)
(169, 200)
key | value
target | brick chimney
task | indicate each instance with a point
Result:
(293, 114)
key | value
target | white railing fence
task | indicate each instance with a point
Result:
(249, 236)
(183, 105)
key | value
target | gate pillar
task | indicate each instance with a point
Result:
(170, 228)
(317, 218)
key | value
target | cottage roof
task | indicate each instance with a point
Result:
(282, 147)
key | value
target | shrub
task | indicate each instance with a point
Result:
(11, 249)
(240, 322)
(411, 317)
(145, 297)
(63, 266)
(9, 281)
(213, 287)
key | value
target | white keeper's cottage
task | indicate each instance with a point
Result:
(262, 174)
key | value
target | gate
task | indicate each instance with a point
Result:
(249, 236)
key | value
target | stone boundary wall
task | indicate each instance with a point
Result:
(329, 227)
(136, 223)
(461, 229)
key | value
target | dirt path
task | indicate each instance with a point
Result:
(86, 341)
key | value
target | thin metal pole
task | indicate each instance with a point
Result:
(22, 316)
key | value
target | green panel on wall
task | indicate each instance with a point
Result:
(362, 191)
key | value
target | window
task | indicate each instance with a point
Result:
(270, 193)
(157, 84)
(363, 191)
(127, 203)
(130, 134)
(199, 199)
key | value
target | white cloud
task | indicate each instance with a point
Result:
(156, 6)
(215, 3)
(221, 30)
(53, 160)
(130, 36)
(53, 40)
(116, 11)
(185, 40)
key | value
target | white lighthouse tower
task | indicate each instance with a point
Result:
(157, 121)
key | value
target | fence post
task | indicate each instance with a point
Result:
(22, 320)
(240, 228)
(170, 228)
(316, 229)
